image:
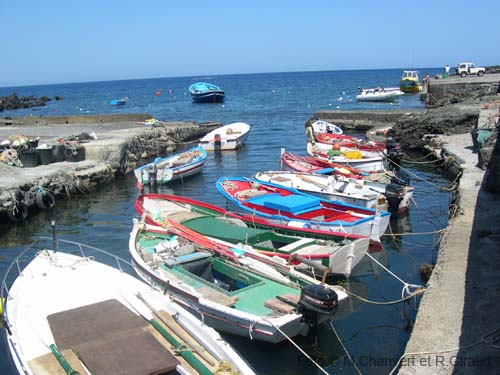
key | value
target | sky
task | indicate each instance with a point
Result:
(56, 41)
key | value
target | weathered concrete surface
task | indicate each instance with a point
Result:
(119, 148)
(461, 304)
(456, 89)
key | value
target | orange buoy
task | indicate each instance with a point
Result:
(158, 93)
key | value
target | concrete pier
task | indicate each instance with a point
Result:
(122, 144)
(460, 306)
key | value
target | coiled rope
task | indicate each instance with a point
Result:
(9, 156)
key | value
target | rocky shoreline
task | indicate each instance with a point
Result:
(15, 102)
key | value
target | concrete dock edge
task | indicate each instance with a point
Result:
(459, 307)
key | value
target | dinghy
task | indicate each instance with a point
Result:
(287, 205)
(227, 137)
(394, 198)
(171, 168)
(231, 292)
(340, 255)
(67, 313)
(379, 94)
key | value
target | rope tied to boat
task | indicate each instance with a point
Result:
(451, 187)
(226, 368)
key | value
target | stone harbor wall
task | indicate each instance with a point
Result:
(117, 149)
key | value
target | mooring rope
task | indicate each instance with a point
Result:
(345, 349)
(448, 188)
(298, 347)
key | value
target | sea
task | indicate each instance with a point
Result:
(276, 105)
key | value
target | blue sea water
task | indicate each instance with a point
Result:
(276, 105)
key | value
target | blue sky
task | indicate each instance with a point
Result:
(57, 41)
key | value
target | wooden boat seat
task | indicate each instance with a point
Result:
(182, 216)
(108, 345)
(279, 178)
(48, 364)
(216, 296)
(249, 193)
(280, 306)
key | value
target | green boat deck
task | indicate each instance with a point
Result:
(260, 239)
(248, 292)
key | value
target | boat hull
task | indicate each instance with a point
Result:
(290, 207)
(231, 137)
(225, 321)
(409, 86)
(174, 168)
(209, 97)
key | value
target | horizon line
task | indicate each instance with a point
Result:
(205, 75)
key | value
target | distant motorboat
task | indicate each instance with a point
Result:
(202, 92)
(227, 137)
(410, 82)
(118, 101)
(379, 94)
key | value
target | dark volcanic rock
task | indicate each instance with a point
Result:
(450, 119)
(15, 102)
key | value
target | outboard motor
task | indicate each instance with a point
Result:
(394, 193)
(394, 153)
(317, 300)
(152, 172)
(217, 143)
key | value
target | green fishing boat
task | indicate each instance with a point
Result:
(230, 291)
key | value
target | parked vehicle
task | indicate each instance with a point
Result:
(465, 69)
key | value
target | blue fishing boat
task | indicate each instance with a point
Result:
(289, 206)
(117, 102)
(202, 92)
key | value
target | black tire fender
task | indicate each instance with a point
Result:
(45, 200)
(19, 212)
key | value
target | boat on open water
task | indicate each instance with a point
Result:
(203, 92)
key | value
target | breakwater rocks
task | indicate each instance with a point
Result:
(119, 147)
(15, 102)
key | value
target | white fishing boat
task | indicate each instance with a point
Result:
(227, 137)
(175, 167)
(379, 94)
(322, 126)
(70, 314)
(394, 198)
(365, 161)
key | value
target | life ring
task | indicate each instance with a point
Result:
(45, 200)
(19, 212)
